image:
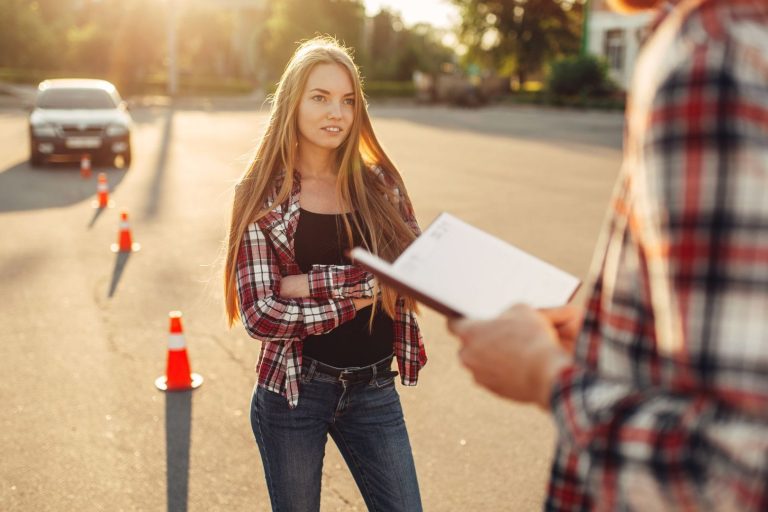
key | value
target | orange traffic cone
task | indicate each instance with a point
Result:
(177, 376)
(85, 166)
(125, 242)
(102, 192)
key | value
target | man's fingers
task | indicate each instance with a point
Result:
(562, 315)
(557, 315)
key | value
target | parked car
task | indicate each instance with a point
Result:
(72, 117)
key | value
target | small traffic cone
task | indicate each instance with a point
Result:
(85, 166)
(178, 376)
(125, 242)
(102, 192)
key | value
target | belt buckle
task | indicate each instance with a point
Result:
(346, 376)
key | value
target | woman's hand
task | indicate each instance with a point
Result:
(516, 355)
(297, 287)
(294, 287)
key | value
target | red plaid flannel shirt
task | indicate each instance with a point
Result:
(266, 254)
(666, 407)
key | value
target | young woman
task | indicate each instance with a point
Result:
(320, 184)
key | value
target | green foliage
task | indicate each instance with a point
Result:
(205, 41)
(32, 76)
(378, 89)
(383, 89)
(197, 85)
(293, 21)
(519, 35)
(127, 42)
(585, 76)
(396, 51)
(27, 34)
(613, 102)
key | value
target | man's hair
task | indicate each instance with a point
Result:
(634, 5)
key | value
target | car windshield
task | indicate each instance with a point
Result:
(75, 99)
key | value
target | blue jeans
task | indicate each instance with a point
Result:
(364, 419)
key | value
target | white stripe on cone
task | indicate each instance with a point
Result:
(176, 342)
(124, 225)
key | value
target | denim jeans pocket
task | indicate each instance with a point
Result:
(385, 379)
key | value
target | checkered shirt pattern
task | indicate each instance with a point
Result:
(266, 254)
(666, 406)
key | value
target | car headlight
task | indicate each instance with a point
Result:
(115, 130)
(44, 130)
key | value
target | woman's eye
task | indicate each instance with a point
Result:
(349, 101)
(318, 98)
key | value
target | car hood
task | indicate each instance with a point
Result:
(87, 117)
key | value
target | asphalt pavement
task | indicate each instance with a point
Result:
(84, 332)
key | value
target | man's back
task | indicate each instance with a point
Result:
(668, 403)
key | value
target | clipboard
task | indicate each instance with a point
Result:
(460, 270)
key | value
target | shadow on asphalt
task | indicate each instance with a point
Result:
(23, 187)
(604, 129)
(96, 214)
(156, 184)
(148, 115)
(178, 427)
(120, 262)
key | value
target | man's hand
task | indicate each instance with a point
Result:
(567, 320)
(515, 355)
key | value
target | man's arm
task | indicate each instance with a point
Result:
(516, 355)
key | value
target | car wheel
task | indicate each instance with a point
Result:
(127, 159)
(35, 159)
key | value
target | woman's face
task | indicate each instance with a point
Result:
(326, 108)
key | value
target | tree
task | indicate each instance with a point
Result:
(204, 41)
(519, 36)
(31, 31)
(122, 41)
(292, 21)
(385, 31)
(396, 51)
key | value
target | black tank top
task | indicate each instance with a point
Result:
(317, 242)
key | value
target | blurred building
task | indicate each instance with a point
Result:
(617, 38)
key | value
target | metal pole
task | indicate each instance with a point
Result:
(172, 71)
(585, 30)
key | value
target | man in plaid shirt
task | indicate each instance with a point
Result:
(663, 404)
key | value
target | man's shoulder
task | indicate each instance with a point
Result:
(708, 21)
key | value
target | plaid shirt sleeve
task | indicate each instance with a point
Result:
(266, 315)
(667, 405)
(400, 199)
(339, 282)
(406, 210)
(409, 345)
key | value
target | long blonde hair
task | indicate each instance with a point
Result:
(359, 188)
